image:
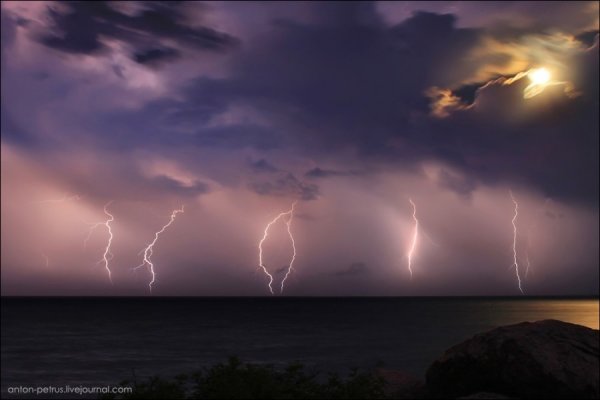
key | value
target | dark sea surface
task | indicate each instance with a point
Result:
(99, 341)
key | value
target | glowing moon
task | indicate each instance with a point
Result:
(540, 79)
(540, 76)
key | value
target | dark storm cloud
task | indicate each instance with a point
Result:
(348, 82)
(587, 38)
(467, 93)
(79, 29)
(341, 80)
(510, 17)
(287, 186)
(156, 56)
(344, 81)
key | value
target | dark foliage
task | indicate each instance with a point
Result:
(237, 380)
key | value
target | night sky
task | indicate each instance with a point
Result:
(236, 110)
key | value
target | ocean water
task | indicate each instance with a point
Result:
(99, 341)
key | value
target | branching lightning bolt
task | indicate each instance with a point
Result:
(107, 256)
(290, 215)
(514, 246)
(149, 250)
(413, 244)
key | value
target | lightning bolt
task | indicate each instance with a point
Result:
(107, 256)
(413, 244)
(291, 266)
(290, 215)
(514, 246)
(149, 250)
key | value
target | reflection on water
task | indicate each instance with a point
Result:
(581, 312)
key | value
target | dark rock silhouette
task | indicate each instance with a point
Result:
(545, 359)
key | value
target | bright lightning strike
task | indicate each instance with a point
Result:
(290, 215)
(415, 237)
(107, 255)
(289, 225)
(514, 246)
(149, 250)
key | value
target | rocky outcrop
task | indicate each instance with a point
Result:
(545, 359)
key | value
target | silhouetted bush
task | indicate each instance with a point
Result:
(237, 380)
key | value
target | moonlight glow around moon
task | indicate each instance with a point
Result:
(540, 79)
(540, 76)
